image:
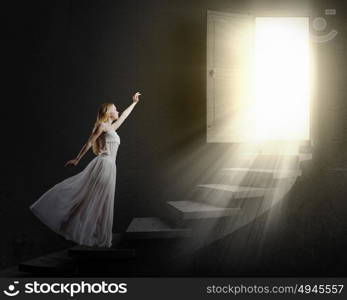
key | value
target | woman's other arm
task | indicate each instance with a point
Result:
(95, 134)
(126, 112)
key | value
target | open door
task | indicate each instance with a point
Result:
(258, 83)
(230, 58)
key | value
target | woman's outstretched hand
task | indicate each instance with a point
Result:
(136, 97)
(73, 162)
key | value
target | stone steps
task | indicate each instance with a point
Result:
(249, 179)
(237, 192)
(154, 228)
(288, 158)
(267, 173)
(226, 195)
(54, 263)
(190, 210)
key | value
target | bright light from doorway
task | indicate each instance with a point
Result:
(282, 86)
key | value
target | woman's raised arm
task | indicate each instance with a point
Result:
(126, 112)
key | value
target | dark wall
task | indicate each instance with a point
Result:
(67, 57)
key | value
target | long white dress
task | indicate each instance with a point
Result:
(80, 208)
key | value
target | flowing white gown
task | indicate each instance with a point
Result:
(80, 208)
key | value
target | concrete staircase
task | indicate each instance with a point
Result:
(240, 193)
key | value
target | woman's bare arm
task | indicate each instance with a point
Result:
(95, 134)
(126, 112)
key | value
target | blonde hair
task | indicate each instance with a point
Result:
(102, 116)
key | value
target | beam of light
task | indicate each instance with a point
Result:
(281, 120)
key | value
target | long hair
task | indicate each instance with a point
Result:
(102, 116)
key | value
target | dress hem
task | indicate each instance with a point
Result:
(67, 237)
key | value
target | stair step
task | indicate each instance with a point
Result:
(288, 158)
(305, 156)
(248, 179)
(238, 192)
(98, 253)
(154, 228)
(57, 262)
(233, 195)
(13, 272)
(271, 173)
(186, 210)
(269, 161)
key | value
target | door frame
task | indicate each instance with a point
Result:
(311, 142)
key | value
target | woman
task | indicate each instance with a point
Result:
(80, 208)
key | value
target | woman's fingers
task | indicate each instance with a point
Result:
(136, 96)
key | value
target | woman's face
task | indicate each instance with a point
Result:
(114, 114)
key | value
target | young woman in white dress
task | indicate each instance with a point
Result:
(80, 208)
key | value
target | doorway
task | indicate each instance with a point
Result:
(258, 78)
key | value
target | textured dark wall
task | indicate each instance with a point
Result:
(67, 57)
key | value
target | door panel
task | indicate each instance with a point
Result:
(229, 76)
